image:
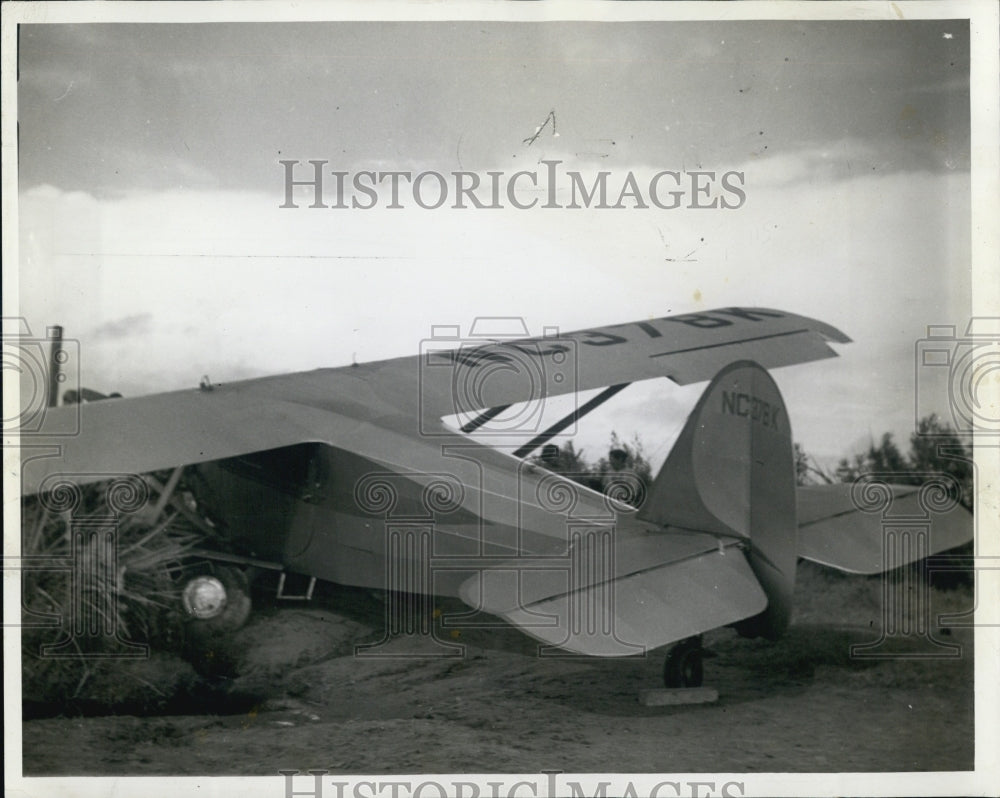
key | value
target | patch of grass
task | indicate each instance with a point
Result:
(826, 596)
(98, 594)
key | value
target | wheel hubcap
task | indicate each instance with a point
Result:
(204, 597)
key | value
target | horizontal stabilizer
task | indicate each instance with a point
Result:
(836, 530)
(635, 606)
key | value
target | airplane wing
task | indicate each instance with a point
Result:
(381, 410)
(654, 590)
(461, 376)
(835, 531)
(150, 433)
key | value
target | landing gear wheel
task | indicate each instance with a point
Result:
(218, 602)
(683, 666)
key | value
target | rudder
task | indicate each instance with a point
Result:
(731, 472)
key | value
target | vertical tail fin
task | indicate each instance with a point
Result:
(731, 472)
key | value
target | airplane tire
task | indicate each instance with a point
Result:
(683, 666)
(237, 604)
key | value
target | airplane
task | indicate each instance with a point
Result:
(352, 476)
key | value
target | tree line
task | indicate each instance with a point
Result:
(935, 448)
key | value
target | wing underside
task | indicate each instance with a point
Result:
(403, 399)
(834, 529)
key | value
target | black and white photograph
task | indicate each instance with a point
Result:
(501, 399)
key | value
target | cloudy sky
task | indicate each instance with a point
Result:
(150, 186)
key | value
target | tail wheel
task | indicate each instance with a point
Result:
(684, 666)
(217, 602)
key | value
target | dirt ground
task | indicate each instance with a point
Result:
(292, 695)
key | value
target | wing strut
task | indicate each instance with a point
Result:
(478, 421)
(572, 418)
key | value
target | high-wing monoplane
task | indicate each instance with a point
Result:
(352, 475)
